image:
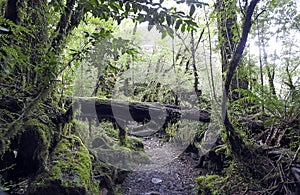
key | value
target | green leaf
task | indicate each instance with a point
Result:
(191, 23)
(116, 7)
(164, 34)
(169, 20)
(141, 17)
(183, 27)
(178, 23)
(121, 3)
(192, 9)
(170, 31)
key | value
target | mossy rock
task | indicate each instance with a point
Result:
(29, 150)
(68, 172)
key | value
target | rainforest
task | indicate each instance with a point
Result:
(149, 97)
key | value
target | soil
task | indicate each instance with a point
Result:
(171, 173)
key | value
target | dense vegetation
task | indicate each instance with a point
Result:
(237, 60)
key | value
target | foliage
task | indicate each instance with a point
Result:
(233, 180)
(50, 50)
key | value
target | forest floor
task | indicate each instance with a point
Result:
(170, 174)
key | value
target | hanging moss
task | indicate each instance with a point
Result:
(68, 172)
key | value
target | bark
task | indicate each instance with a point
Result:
(195, 71)
(236, 142)
(227, 20)
(11, 12)
(121, 112)
(137, 111)
(228, 35)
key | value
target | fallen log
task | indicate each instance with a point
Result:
(135, 111)
(120, 112)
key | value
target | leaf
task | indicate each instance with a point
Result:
(164, 34)
(121, 3)
(180, 13)
(192, 9)
(141, 17)
(170, 31)
(169, 20)
(135, 8)
(178, 23)
(127, 7)
(183, 27)
(116, 7)
(191, 23)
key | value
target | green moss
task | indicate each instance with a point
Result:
(40, 134)
(211, 184)
(73, 160)
(108, 128)
(70, 165)
(134, 143)
(41, 129)
(171, 129)
(234, 179)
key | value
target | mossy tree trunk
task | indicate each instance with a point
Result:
(236, 142)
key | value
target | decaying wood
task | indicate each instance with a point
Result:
(137, 111)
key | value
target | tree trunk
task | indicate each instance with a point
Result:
(228, 36)
(236, 142)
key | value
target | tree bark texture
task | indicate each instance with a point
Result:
(236, 142)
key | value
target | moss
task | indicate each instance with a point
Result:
(69, 168)
(134, 143)
(171, 129)
(109, 129)
(211, 184)
(44, 131)
(234, 179)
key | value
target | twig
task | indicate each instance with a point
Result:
(296, 154)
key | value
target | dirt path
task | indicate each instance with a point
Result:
(170, 173)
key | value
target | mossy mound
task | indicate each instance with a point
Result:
(28, 151)
(234, 179)
(68, 171)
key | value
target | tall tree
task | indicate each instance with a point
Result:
(236, 142)
(228, 30)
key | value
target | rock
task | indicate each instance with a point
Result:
(29, 151)
(68, 172)
(156, 180)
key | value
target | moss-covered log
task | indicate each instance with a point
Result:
(137, 111)
(28, 152)
(119, 112)
(68, 172)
